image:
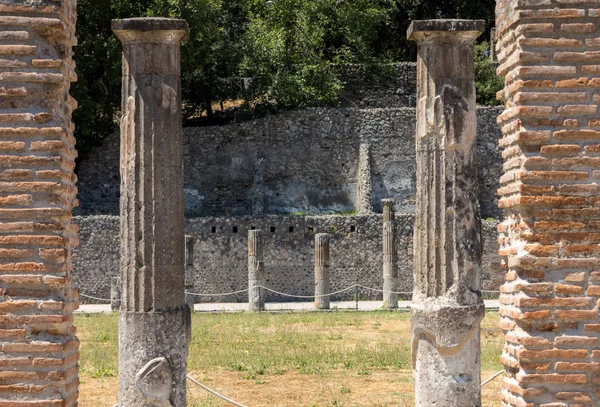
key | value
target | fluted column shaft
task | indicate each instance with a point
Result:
(154, 320)
(447, 304)
(256, 271)
(390, 269)
(322, 285)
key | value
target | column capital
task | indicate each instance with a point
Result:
(444, 31)
(151, 30)
(388, 203)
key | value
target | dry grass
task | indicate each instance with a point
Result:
(304, 359)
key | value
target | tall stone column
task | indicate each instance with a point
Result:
(390, 269)
(38, 347)
(447, 304)
(256, 271)
(154, 320)
(322, 285)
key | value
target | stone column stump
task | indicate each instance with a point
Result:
(115, 294)
(256, 271)
(390, 267)
(190, 300)
(322, 286)
(154, 320)
(447, 304)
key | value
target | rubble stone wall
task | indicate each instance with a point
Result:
(220, 256)
(309, 162)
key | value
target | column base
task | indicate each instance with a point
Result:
(446, 354)
(145, 337)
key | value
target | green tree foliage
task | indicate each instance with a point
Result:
(278, 54)
(487, 82)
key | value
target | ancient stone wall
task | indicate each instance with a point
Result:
(549, 53)
(385, 86)
(310, 159)
(38, 347)
(220, 257)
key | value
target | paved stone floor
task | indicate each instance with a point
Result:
(491, 305)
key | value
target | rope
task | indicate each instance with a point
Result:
(310, 296)
(94, 298)
(217, 295)
(383, 291)
(493, 377)
(191, 379)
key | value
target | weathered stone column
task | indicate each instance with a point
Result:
(115, 294)
(190, 300)
(256, 271)
(154, 319)
(447, 304)
(322, 270)
(38, 346)
(390, 269)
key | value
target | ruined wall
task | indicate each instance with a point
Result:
(220, 254)
(38, 347)
(310, 159)
(383, 86)
(549, 51)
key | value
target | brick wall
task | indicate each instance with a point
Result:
(549, 53)
(39, 350)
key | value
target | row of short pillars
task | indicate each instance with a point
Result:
(256, 280)
(256, 268)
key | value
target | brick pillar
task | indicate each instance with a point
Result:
(549, 53)
(154, 319)
(38, 347)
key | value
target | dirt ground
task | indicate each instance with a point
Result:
(291, 389)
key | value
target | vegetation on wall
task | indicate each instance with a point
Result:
(263, 54)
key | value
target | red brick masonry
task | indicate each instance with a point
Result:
(549, 53)
(39, 350)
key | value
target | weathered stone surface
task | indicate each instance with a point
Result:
(447, 304)
(311, 161)
(364, 199)
(190, 270)
(549, 237)
(390, 266)
(39, 351)
(322, 267)
(258, 188)
(115, 293)
(154, 319)
(256, 271)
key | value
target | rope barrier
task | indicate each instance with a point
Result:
(382, 291)
(493, 377)
(217, 295)
(309, 296)
(211, 391)
(94, 298)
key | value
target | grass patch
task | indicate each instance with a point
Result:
(329, 351)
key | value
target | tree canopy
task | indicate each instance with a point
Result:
(268, 54)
